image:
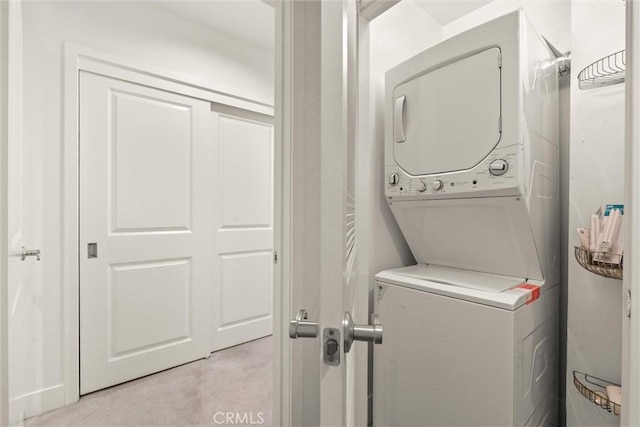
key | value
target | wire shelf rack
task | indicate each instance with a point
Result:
(602, 263)
(606, 71)
(594, 390)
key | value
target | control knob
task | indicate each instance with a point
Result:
(422, 187)
(498, 167)
(394, 179)
(437, 185)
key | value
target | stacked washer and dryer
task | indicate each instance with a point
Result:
(471, 170)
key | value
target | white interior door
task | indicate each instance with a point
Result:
(338, 194)
(244, 229)
(146, 205)
(324, 214)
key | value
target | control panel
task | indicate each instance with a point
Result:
(498, 174)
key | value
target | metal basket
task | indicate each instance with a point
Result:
(594, 389)
(601, 263)
(607, 71)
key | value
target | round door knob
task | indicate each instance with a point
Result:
(422, 187)
(437, 185)
(498, 167)
(394, 179)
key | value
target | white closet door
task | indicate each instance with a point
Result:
(244, 211)
(145, 201)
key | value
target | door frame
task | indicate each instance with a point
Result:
(10, 142)
(283, 223)
(631, 282)
(7, 31)
(79, 58)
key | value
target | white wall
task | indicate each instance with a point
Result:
(236, 58)
(4, 144)
(597, 178)
(552, 18)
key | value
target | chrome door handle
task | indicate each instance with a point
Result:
(30, 252)
(300, 327)
(368, 333)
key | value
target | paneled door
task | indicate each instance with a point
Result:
(244, 228)
(146, 251)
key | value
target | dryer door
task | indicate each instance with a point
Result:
(448, 119)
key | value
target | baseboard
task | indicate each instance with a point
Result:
(249, 331)
(38, 402)
(18, 421)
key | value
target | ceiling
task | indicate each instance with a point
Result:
(230, 17)
(234, 17)
(447, 11)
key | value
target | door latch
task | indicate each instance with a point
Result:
(92, 250)
(331, 346)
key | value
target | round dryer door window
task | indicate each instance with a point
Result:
(450, 116)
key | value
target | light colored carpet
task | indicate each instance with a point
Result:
(236, 380)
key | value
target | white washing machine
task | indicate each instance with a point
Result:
(471, 169)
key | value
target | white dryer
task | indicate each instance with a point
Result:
(471, 170)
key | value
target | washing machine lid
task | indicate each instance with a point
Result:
(449, 118)
(461, 278)
(482, 288)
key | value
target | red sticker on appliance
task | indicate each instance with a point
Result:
(534, 291)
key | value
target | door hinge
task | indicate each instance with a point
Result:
(275, 257)
(628, 309)
(500, 124)
(500, 60)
